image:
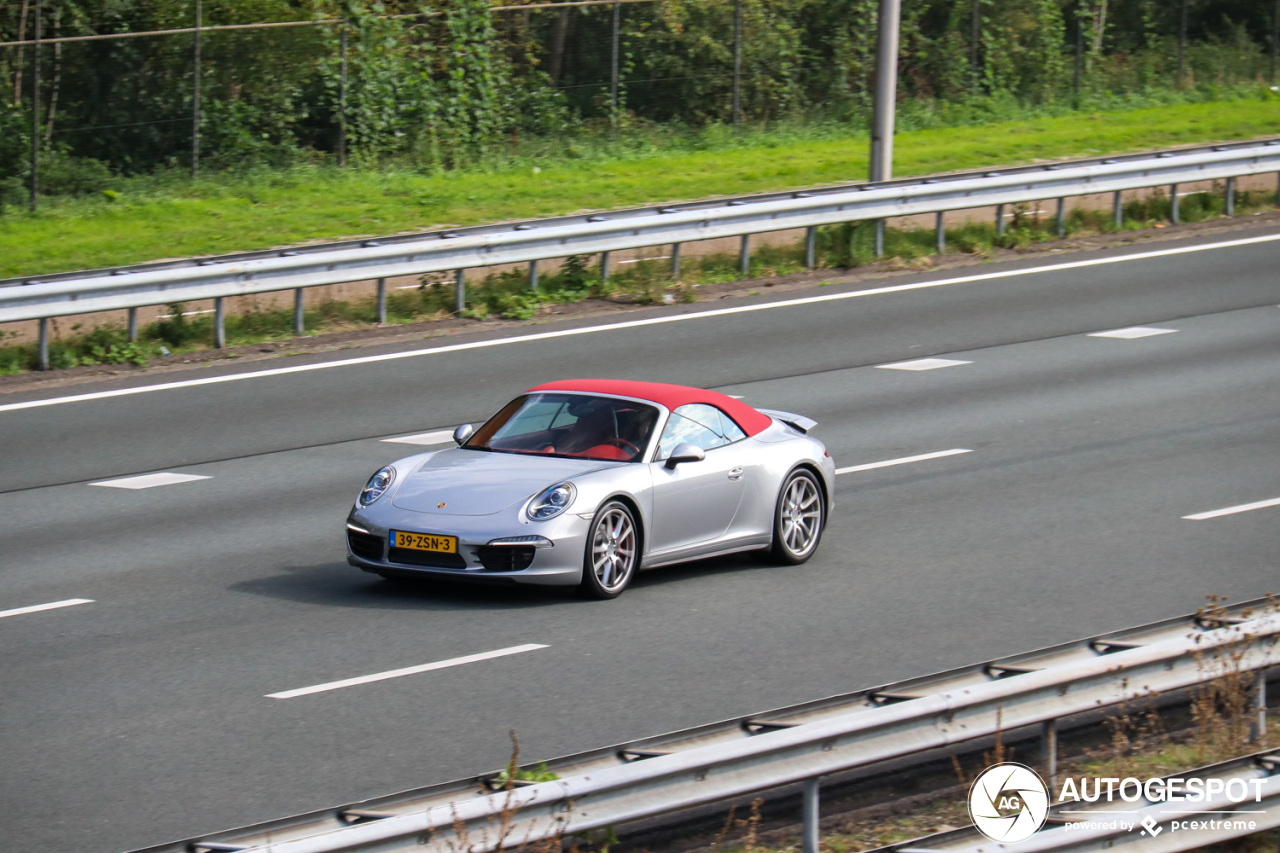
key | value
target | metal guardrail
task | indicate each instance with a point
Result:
(1220, 818)
(529, 242)
(800, 744)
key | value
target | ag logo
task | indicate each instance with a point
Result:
(1008, 802)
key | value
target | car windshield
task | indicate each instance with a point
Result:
(577, 425)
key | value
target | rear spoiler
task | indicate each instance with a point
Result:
(800, 422)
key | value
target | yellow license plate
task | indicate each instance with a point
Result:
(424, 542)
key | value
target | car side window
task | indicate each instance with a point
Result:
(698, 424)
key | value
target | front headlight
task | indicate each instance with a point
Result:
(551, 502)
(377, 484)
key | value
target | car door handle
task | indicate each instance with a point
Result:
(736, 473)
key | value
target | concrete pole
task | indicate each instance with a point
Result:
(885, 97)
(886, 91)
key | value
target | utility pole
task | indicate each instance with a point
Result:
(885, 101)
(886, 90)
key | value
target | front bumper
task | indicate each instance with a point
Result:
(556, 560)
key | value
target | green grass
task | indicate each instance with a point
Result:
(146, 219)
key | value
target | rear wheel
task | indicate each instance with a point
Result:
(798, 519)
(613, 552)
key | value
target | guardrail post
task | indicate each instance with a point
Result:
(382, 302)
(604, 266)
(1258, 731)
(133, 324)
(299, 319)
(1049, 747)
(460, 290)
(879, 238)
(1117, 209)
(744, 255)
(810, 809)
(43, 347)
(999, 220)
(810, 247)
(533, 275)
(219, 323)
(1062, 217)
(939, 233)
(675, 260)
(1231, 197)
(1175, 215)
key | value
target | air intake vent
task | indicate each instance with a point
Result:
(505, 558)
(365, 545)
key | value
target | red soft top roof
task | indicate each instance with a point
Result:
(671, 396)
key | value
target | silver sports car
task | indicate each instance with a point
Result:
(587, 481)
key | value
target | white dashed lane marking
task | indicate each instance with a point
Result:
(150, 481)
(905, 460)
(410, 670)
(442, 436)
(53, 605)
(922, 364)
(1133, 332)
(1232, 510)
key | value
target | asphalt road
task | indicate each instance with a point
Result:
(144, 714)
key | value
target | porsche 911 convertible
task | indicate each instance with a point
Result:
(585, 482)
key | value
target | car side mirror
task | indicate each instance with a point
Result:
(685, 452)
(462, 433)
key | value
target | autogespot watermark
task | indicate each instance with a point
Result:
(1009, 803)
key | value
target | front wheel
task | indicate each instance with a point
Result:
(613, 552)
(798, 519)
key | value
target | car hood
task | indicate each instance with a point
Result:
(478, 482)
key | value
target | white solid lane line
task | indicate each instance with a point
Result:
(1132, 332)
(53, 605)
(150, 481)
(903, 461)
(410, 670)
(922, 364)
(1232, 510)
(443, 436)
(631, 324)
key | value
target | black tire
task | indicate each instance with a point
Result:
(798, 518)
(613, 552)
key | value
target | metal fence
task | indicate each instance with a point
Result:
(533, 241)
(604, 59)
(799, 745)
